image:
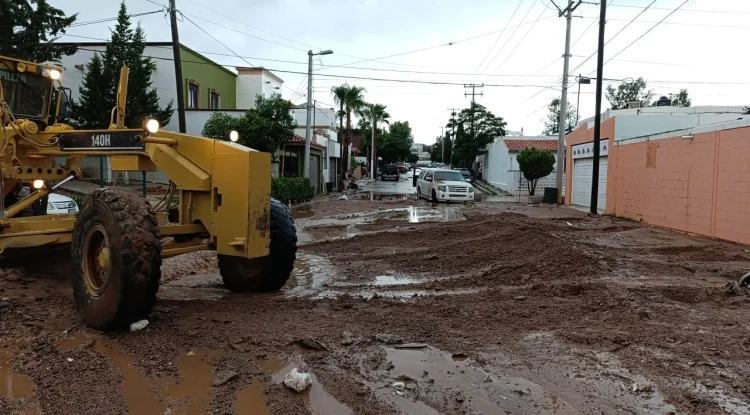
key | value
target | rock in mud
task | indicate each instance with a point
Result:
(297, 381)
(348, 339)
(139, 325)
(311, 344)
(223, 377)
(388, 338)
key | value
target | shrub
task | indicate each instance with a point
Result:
(535, 164)
(291, 189)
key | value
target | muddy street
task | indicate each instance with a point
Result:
(400, 306)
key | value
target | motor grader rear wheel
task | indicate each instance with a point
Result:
(269, 273)
(116, 256)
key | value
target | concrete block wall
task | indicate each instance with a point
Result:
(699, 185)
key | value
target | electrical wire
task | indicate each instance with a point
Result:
(510, 37)
(595, 52)
(685, 10)
(519, 43)
(498, 37)
(642, 35)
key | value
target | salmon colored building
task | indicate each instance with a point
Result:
(694, 179)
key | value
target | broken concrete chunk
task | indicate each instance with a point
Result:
(311, 344)
(139, 325)
(410, 346)
(388, 338)
(223, 376)
(297, 381)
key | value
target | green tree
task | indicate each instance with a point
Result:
(353, 100)
(339, 95)
(436, 152)
(481, 128)
(28, 28)
(534, 165)
(376, 115)
(681, 99)
(98, 92)
(265, 128)
(552, 122)
(396, 145)
(625, 93)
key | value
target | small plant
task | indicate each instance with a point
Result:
(534, 165)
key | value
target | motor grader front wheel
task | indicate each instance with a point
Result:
(268, 273)
(116, 256)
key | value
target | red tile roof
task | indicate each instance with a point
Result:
(518, 145)
(298, 139)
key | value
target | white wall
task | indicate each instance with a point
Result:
(250, 84)
(498, 163)
(630, 126)
(163, 78)
(196, 119)
(319, 117)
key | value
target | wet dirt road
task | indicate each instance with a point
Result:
(398, 306)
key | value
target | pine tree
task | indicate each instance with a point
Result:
(27, 32)
(98, 93)
(93, 97)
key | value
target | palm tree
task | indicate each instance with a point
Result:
(339, 96)
(353, 103)
(377, 115)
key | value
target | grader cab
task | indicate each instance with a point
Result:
(219, 199)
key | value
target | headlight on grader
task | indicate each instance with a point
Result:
(233, 136)
(38, 184)
(151, 125)
(53, 74)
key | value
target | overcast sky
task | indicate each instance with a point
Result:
(700, 47)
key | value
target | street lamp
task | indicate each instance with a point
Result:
(308, 130)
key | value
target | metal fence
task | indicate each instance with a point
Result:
(546, 181)
(97, 172)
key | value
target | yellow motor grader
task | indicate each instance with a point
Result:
(221, 192)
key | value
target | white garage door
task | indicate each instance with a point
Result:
(582, 172)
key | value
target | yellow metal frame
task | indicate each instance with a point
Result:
(224, 188)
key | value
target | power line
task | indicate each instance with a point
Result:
(644, 33)
(519, 43)
(432, 47)
(595, 52)
(509, 38)
(684, 10)
(498, 38)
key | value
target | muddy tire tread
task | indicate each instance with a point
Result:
(275, 269)
(139, 257)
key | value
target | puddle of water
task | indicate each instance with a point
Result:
(310, 274)
(271, 367)
(437, 213)
(372, 195)
(139, 397)
(381, 280)
(398, 294)
(303, 214)
(320, 401)
(434, 370)
(251, 400)
(13, 385)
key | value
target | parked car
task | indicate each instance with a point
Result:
(466, 173)
(59, 204)
(390, 171)
(401, 167)
(444, 185)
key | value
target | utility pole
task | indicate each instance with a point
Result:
(568, 13)
(177, 67)
(598, 115)
(442, 144)
(473, 101)
(372, 144)
(308, 129)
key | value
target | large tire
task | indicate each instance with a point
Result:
(268, 273)
(116, 256)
